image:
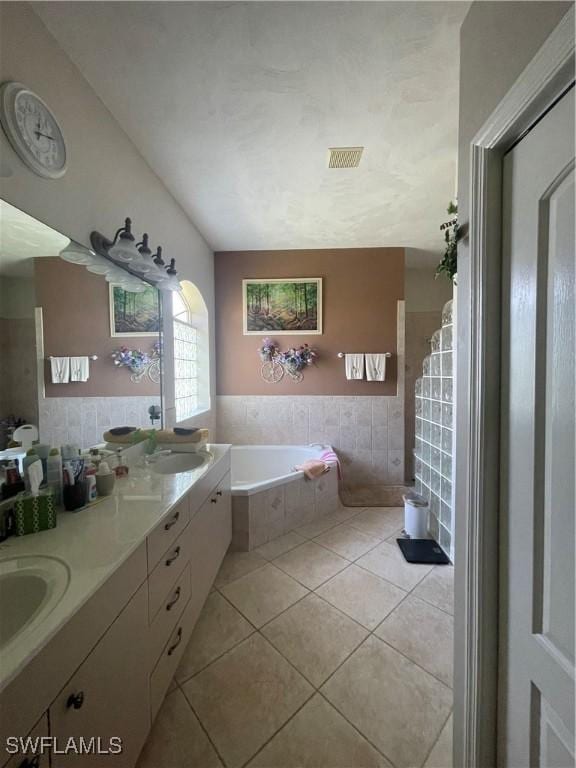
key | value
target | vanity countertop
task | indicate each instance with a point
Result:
(93, 543)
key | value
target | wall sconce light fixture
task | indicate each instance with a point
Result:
(134, 258)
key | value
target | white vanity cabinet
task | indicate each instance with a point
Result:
(176, 597)
(210, 534)
(108, 695)
(35, 758)
(119, 652)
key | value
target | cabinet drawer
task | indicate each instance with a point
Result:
(164, 576)
(171, 655)
(36, 759)
(169, 615)
(167, 532)
(108, 696)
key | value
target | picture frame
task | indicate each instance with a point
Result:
(134, 314)
(289, 306)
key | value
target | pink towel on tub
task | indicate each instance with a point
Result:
(313, 468)
(332, 458)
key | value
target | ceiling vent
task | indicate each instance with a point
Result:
(345, 157)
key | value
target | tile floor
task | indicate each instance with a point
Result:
(321, 649)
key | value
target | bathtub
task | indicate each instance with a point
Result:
(256, 468)
(270, 498)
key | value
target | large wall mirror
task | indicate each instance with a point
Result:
(78, 354)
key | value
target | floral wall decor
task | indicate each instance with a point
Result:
(275, 363)
(139, 362)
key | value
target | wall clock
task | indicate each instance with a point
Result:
(32, 130)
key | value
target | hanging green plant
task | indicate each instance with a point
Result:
(449, 264)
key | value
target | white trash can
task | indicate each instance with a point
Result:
(416, 517)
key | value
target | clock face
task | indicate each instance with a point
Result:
(33, 131)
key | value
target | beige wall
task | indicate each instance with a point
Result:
(366, 432)
(18, 380)
(361, 290)
(81, 326)
(107, 178)
(497, 41)
(424, 292)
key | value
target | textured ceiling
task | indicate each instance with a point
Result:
(23, 238)
(234, 106)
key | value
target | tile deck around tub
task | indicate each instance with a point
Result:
(331, 657)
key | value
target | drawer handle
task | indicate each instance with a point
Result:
(75, 700)
(177, 643)
(218, 493)
(174, 600)
(172, 522)
(30, 762)
(214, 501)
(174, 557)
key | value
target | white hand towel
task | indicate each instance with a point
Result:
(79, 369)
(60, 368)
(354, 366)
(375, 366)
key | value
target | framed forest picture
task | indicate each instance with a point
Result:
(283, 306)
(134, 314)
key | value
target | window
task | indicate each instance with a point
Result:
(191, 352)
(185, 359)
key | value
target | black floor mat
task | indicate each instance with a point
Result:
(423, 551)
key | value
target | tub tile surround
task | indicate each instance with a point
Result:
(265, 516)
(83, 420)
(367, 432)
(368, 689)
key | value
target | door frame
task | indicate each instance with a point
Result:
(477, 490)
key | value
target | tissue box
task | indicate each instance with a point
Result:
(34, 513)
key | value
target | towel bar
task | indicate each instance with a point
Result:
(342, 354)
(90, 357)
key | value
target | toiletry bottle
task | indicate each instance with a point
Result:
(30, 458)
(13, 483)
(90, 478)
(54, 475)
(12, 473)
(91, 492)
(121, 469)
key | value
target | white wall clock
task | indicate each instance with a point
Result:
(32, 130)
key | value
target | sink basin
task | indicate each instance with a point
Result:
(30, 588)
(180, 462)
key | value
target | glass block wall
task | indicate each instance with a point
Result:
(433, 448)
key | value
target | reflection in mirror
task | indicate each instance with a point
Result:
(78, 353)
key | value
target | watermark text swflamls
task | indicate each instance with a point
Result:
(81, 745)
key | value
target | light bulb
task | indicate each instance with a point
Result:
(124, 250)
(99, 266)
(76, 254)
(115, 275)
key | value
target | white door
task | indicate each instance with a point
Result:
(536, 673)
